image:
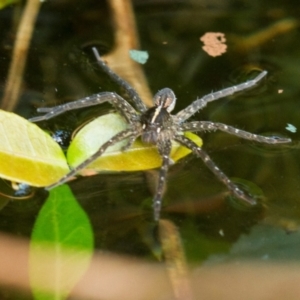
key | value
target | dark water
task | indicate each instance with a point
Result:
(119, 205)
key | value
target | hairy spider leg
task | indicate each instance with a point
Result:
(157, 126)
(115, 139)
(164, 149)
(215, 169)
(129, 143)
(197, 126)
(121, 104)
(132, 93)
(202, 102)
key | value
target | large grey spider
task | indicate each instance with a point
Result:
(156, 125)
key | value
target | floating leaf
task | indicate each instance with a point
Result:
(28, 154)
(61, 246)
(139, 157)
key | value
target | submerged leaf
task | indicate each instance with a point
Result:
(28, 154)
(265, 243)
(61, 246)
(4, 3)
(139, 157)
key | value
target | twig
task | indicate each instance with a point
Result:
(15, 75)
(257, 39)
(175, 260)
(126, 38)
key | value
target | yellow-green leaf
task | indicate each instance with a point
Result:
(28, 154)
(61, 246)
(4, 3)
(139, 157)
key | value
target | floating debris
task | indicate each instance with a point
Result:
(214, 43)
(291, 128)
(139, 56)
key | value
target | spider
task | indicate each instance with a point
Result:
(156, 125)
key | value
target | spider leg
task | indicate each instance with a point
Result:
(213, 167)
(202, 102)
(121, 104)
(132, 94)
(164, 149)
(129, 143)
(128, 133)
(211, 126)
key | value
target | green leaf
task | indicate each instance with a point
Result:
(139, 157)
(61, 246)
(28, 154)
(4, 3)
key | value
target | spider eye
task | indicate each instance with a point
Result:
(165, 98)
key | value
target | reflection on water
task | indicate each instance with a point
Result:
(275, 169)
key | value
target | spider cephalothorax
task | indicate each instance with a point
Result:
(157, 123)
(157, 126)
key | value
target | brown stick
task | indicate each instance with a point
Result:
(15, 75)
(126, 38)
